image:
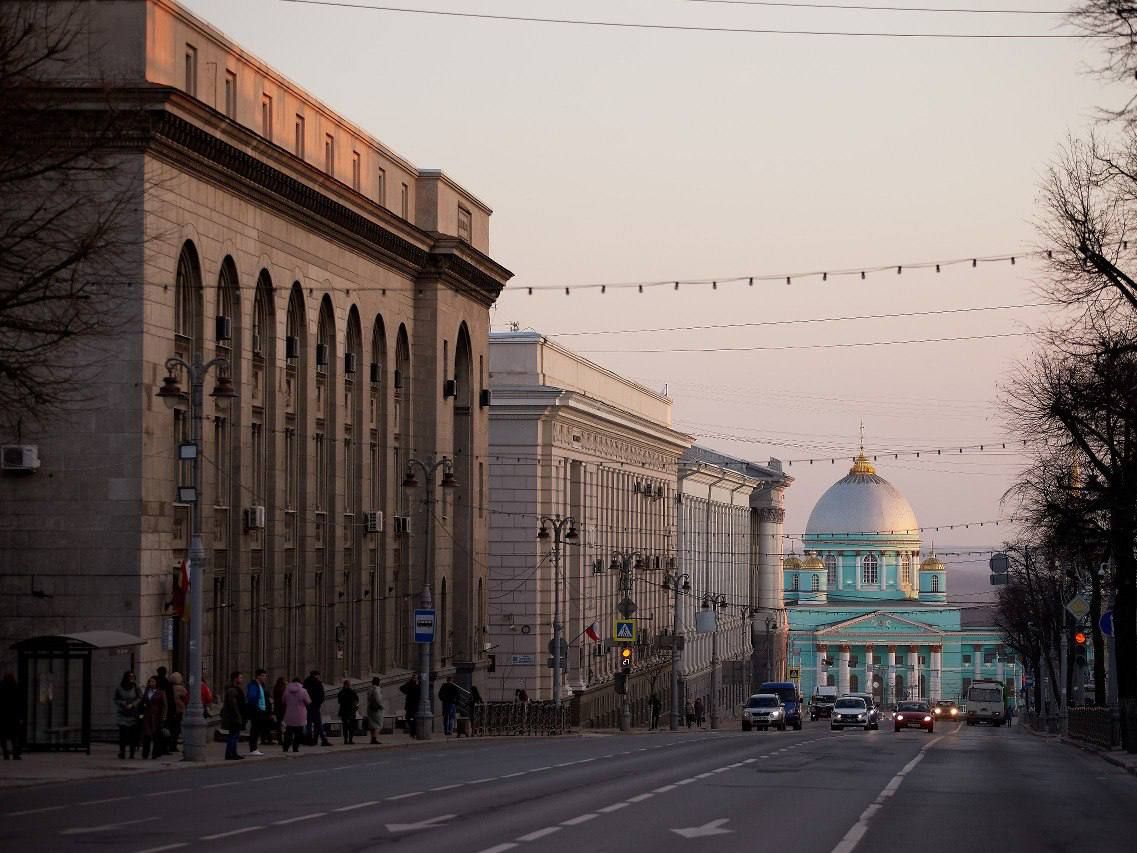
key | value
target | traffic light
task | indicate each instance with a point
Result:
(626, 659)
(1079, 638)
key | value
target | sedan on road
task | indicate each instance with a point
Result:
(763, 711)
(850, 712)
(946, 710)
(914, 715)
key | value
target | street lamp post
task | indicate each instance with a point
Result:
(622, 562)
(558, 524)
(771, 622)
(680, 583)
(172, 394)
(424, 719)
(715, 603)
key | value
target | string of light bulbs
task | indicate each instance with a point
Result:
(816, 538)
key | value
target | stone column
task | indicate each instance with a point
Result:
(912, 682)
(890, 688)
(868, 668)
(977, 661)
(937, 683)
(822, 671)
(999, 671)
(843, 671)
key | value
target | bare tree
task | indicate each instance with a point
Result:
(65, 215)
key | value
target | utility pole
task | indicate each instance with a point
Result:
(424, 718)
(679, 583)
(570, 535)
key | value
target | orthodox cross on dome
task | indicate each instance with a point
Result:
(861, 464)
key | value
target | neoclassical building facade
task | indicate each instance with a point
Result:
(867, 614)
(348, 292)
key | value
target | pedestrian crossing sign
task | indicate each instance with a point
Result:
(624, 631)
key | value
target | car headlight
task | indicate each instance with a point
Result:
(954, 711)
(776, 714)
(938, 712)
(927, 719)
(900, 718)
(860, 716)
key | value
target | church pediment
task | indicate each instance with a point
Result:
(877, 624)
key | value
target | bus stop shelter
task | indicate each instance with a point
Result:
(55, 673)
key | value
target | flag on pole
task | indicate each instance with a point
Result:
(181, 587)
(593, 632)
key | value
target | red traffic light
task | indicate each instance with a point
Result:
(1080, 638)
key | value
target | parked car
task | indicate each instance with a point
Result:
(874, 711)
(850, 712)
(946, 710)
(914, 715)
(764, 710)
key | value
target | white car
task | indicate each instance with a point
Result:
(850, 712)
(764, 711)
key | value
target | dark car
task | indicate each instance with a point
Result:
(914, 715)
(946, 710)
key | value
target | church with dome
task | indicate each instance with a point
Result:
(868, 611)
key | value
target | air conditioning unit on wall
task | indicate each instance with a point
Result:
(402, 524)
(254, 518)
(19, 457)
(374, 522)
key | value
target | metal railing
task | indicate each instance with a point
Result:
(1093, 725)
(518, 718)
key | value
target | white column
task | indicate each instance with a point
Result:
(843, 671)
(822, 652)
(1000, 651)
(977, 660)
(890, 688)
(912, 681)
(868, 669)
(937, 663)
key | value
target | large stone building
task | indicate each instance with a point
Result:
(348, 291)
(867, 614)
(570, 439)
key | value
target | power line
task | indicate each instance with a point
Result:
(866, 8)
(813, 346)
(631, 25)
(803, 321)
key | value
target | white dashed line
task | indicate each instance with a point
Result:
(499, 848)
(639, 798)
(106, 827)
(406, 796)
(40, 810)
(449, 787)
(579, 819)
(167, 793)
(165, 847)
(663, 790)
(266, 778)
(615, 807)
(224, 784)
(540, 833)
(302, 817)
(355, 806)
(100, 802)
(489, 779)
(685, 781)
(231, 833)
(514, 775)
(539, 769)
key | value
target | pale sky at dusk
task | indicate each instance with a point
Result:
(615, 155)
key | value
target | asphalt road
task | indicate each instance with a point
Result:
(977, 789)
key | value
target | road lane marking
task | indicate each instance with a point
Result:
(664, 789)
(231, 833)
(167, 793)
(405, 796)
(500, 848)
(106, 827)
(100, 802)
(639, 798)
(449, 787)
(540, 833)
(514, 775)
(40, 810)
(223, 784)
(492, 778)
(858, 830)
(579, 819)
(302, 817)
(685, 781)
(615, 807)
(174, 846)
(355, 806)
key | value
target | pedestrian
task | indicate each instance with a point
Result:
(315, 688)
(206, 698)
(128, 713)
(521, 696)
(178, 714)
(689, 713)
(11, 717)
(475, 696)
(700, 709)
(375, 709)
(153, 719)
(477, 712)
(167, 688)
(348, 701)
(278, 707)
(412, 690)
(257, 704)
(233, 715)
(448, 696)
(656, 706)
(295, 702)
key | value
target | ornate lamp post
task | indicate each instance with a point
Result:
(570, 535)
(424, 719)
(715, 603)
(174, 397)
(680, 583)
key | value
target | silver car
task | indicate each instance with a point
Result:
(764, 711)
(850, 712)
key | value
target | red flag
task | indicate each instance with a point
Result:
(593, 632)
(181, 588)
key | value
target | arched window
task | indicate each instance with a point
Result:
(906, 569)
(186, 287)
(870, 570)
(831, 569)
(815, 583)
(935, 583)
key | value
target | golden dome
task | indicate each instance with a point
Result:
(931, 564)
(791, 563)
(861, 465)
(813, 563)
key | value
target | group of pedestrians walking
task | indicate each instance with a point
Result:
(151, 716)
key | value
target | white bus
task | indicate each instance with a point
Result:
(986, 702)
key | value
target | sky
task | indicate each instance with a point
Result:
(630, 155)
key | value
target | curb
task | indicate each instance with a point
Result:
(1106, 755)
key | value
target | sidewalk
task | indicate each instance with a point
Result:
(1125, 760)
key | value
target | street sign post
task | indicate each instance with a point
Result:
(624, 630)
(795, 674)
(424, 626)
(1078, 606)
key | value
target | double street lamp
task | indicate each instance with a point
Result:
(680, 583)
(424, 719)
(714, 603)
(570, 535)
(174, 397)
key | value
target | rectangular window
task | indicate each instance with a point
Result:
(258, 463)
(405, 203)
(989, 657)
(321, 480)
(191, 70)
(348, 478)
(231, 94)
(221, 454)
(967, 660)
(465, 227)
(291, 473)
(300, 136)
(381, 188)
(356, 170)
(330, 154)
(266, 117)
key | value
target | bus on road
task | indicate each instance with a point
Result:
(986, 702)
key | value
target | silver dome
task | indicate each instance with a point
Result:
(862, 502)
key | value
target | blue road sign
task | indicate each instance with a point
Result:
(424, 626)
(1106, 623)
